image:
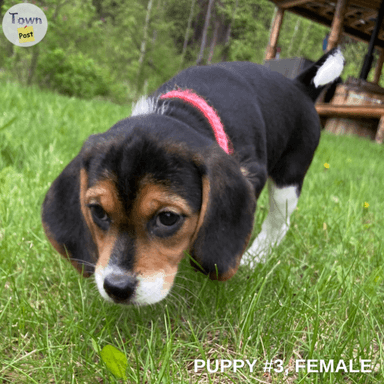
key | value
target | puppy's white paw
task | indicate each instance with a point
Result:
(251, 259)
(257, 253)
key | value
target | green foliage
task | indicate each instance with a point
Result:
(176, 15)
(301, 37)
(72, 75)
(10, 152)
(94, 48)
(250, 29)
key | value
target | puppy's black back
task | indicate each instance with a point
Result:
(253, 104)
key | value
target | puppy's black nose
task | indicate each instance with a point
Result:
(119, 287)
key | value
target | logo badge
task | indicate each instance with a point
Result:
(25, 25)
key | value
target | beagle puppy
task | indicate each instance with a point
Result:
(182, 176)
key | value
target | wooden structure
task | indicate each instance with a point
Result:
(360, 19)
(356, 108)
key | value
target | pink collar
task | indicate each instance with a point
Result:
(209, 113)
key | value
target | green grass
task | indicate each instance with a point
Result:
(319, 296)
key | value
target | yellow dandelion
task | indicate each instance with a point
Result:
(366, 205)
(326, 165)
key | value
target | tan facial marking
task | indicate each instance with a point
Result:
(154, 254)
(105, 194)
(204, 206)
(152, 197)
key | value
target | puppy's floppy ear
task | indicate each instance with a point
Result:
(226, 217)
(63, 220)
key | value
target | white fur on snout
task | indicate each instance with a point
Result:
(150, 289)
(100, 274)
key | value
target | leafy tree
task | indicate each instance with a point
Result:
(118, 49)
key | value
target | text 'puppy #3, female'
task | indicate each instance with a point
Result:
(183, 174)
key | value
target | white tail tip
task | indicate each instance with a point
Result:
(330, 70)
(143, 106)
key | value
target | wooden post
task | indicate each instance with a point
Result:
(337, 24)
(379, 67)
(275, 30)
(350, 111)
(372, 42)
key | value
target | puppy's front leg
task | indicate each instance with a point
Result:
(282, 202)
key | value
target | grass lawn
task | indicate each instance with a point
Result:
(319, 296)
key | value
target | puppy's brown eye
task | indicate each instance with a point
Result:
(99, 216)
(167, 218)
(165, 224)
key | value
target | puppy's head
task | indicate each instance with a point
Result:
(130, 205)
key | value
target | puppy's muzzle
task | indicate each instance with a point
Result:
(120, 287)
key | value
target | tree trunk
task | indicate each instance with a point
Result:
(186, 38)
(228, 34)
(304, 38)
(143, 47)
(297, 26)
(205, 31)
(213, 42)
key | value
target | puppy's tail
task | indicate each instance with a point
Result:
(324, 71)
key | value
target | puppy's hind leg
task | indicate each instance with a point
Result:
(282, 202)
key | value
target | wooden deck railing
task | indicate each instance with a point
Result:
(355, 111)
